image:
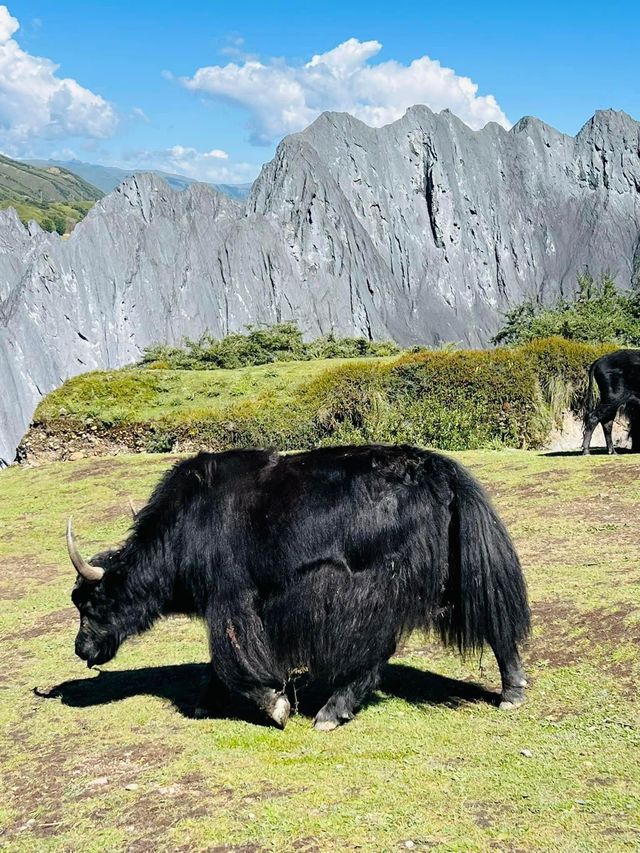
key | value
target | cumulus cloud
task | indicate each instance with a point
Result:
(211, 166)
(283, 98)
(36, 103)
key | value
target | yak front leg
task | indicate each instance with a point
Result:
(242, 660)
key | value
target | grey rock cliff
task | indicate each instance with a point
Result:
(423, 231)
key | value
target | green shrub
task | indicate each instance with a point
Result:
(280, 342)
(159, 440)
(598, 313)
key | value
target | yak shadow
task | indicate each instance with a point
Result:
(420, 687)
(595, 451)
(180, 684)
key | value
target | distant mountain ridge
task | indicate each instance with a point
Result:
(52, 196)
(43, 183)
(422, 231)
(107, 178)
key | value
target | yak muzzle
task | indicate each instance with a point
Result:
(87, 650)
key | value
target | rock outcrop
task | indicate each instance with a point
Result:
(423, 231)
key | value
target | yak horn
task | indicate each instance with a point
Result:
(93, 574)
(134, 511)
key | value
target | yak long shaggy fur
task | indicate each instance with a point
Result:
(317, 561)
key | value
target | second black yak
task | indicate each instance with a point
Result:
(617, 376)
(317, 562)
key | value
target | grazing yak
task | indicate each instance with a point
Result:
(618, 378)
(316, 562)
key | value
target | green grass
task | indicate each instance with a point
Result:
(50, 216)
(142, 395)
(460, 400)
(416, 765)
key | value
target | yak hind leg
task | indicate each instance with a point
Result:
(603, 413)
(343, 704)
(513, 679)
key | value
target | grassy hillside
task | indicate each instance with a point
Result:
(114, 761)
(452, 400)
(55, 198)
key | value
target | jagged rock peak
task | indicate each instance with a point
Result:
(422, 231)
(609, 121)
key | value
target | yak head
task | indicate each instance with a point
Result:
(98, 596)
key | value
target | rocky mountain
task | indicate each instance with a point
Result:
(107, 178)
(423, 231)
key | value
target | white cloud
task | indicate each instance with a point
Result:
(283, 98)
(8, 24)
(137, 113)
(210, 166)
(234, 46)
(36, 103)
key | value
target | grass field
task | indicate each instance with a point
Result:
(112, 760)
(145, 396)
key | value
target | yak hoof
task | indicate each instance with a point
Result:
(326, 725)
(280, 711)
(201, 713)
(511, 703)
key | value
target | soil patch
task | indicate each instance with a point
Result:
(151, 816)
(112, 513)
(568, 633)
(66, 618)
(484, 813)
(601, 508)
(614, 476)
(121, 766)
(541, 484)
(36, 792)
(99, 468)
(18, 573)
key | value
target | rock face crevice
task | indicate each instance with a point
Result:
(422, 231)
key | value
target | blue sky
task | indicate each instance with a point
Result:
(208, 89)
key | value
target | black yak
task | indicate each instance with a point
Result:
(618, 378)
(316, 562)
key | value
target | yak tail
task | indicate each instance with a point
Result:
(590, 398)
(486, 596)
